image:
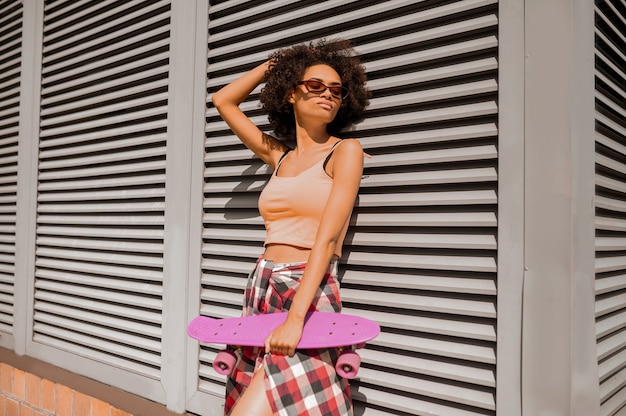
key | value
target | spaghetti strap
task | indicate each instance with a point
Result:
(330, 153)
(281, 160)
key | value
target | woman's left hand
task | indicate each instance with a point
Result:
(284, 339)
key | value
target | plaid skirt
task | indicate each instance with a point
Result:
(307, 383)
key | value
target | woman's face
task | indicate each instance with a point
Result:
(315, 102)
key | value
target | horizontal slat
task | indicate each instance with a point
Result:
(100, 245)
(609, 264)
(462, 154)
(15, 19)
(250, 11)
(9, 131)
(614, 405)
(432, 324)
(53, 10)
(612, 365)
(417, 302)
(610, 123)
(436, 219)
(437, 94)
(611, 345)
(609, 304)
(608, 284)
(430, 116)
(137, 260)
(114, 182)
(54, 21)
(220, 311)
(112, 169)
(430, 366)
(111, 270)
(100, 55)
(381, 26)
(445, 348)
(65, 342)
(615, 165)
(106, 134)
(606, 21)
(233, 299)
(72, 337)
(103, 220)
(110, 200)
(112, 120)
(435, 177)
(454, 283)
(137, 82)
(231, 234)
(106, 29)
(610, 224)
(256, 168)
(617, 108)
(10, 16)
(605, 61)
(247, 218)
(266, 8)
(103, 110)
(113, 283)
(104, 69)
(419, 199)
(239, 201)
(102, 335)
(136, 307)
(218, 265)
(440, 73)
(428, 388)
(102, 207)
(10, 75)
(613, 45)
(606, 325)
(102, 232)
(610, 143)
(217, 280)
(452, 241)
(232, 250)
(610, 204)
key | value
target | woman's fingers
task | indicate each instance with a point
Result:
(275, 346)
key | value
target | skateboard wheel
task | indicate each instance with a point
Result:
(348, 364)
(225, 362)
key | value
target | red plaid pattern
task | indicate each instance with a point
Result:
(307, 383)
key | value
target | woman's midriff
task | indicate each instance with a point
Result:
(282, 253)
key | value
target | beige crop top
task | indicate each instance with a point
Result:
(292, 207)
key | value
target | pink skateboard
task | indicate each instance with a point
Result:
(321, 330)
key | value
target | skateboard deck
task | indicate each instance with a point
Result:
(321, 330)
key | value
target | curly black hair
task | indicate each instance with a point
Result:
(287, 66)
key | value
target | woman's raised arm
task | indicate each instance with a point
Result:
(227, 101)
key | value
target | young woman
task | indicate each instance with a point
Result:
(311, 93)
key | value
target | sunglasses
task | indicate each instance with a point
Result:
(317, 87)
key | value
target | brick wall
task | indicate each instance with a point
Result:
(25, 394)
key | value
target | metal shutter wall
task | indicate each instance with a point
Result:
(99, 253)
(421, 257)
(610, 41)
(10, 61)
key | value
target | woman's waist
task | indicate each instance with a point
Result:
(285, 253)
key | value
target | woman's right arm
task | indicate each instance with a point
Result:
(227, 101)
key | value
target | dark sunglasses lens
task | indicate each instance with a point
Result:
(315, 86)
(319, 87)
(336, 91)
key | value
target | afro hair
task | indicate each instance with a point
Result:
(287, 66)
